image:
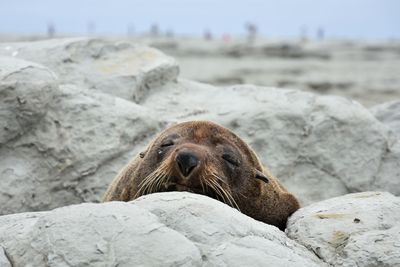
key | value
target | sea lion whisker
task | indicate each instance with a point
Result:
(211, 185)
(220, 191)
(226, 192)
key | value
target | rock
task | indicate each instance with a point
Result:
(76, 145)
(26, 89)
(74, 141)
(168, 229)
(359, 229)
(119, 68)
(389, 114)
(319, 146)
(3, 259)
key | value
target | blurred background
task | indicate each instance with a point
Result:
(348, 48)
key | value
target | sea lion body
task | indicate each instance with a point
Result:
(206, 158)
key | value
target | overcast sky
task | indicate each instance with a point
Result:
(367, 19)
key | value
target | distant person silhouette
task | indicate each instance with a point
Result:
(51, 30)
(208, 35)
(320, 34)
(154, 30)
(251, 32)
(91, 27)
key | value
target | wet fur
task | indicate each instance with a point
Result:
(147, 173)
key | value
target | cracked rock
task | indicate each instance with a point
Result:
(318, 146)
(122, 69)
(167, 229)
(360, 229)
(26, 89)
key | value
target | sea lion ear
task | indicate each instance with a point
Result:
(142, 154)
(261, 176)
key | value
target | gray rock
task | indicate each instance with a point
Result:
(169, 229)
(360, 229)
(319, 146)
(70, 155)
(73, 141)
(389, 114)
(26, 89)
(119, 68)
(4, 262)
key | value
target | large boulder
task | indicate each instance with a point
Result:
(319, 146)
(389, 114)
(168, 229)
(67, 145)
(361, 229)
(120, 68)
(77, 142)
(26, 89)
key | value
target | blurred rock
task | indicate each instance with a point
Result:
(25, 92)
(169, 229)
(118, 68)
(77, 142)
(360, 229)
(61, 145)
(319, 146)
(4, 262)
(389, 114)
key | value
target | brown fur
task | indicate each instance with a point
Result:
(155, 170)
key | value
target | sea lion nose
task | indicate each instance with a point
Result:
(186, 161)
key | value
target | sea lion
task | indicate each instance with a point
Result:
(205, 158)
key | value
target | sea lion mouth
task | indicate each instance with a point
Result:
(182, 187)
(209, 184)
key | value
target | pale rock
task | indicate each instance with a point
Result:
(168, 229)
(73, 149)
(115, 67)
(389, 114)
(26, 89)
(361, 229)
(318, 146)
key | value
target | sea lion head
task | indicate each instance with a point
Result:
(205, 158)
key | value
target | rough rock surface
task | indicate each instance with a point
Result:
(389, 114)
(61, 145)
(361, 229)
(4, 262)
(25, 92)
(69, 153)
(118, 68)
(169, 229)
(319, 146)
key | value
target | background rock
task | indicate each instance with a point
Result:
(166, 229)
(114, 67)
(319, 146)
(3, 259)
(26, 89)
(389, 114)
(354, 230)
(71, 154)
(74, 140)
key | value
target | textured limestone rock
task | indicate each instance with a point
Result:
(319, 146)
(4, 262)
(26, 89)
(118, 68)
(389, 114)
(361, 229)
(169, 229)
(69, 146)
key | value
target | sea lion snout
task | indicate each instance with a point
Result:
(186, 161)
